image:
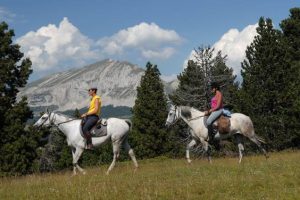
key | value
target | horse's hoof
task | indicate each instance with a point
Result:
(189, 161)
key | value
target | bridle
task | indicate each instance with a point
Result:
(175, 118)
(51, 121)
(49, 115)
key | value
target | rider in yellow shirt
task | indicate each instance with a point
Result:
(92, 116)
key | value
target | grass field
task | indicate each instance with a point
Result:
(163, 178)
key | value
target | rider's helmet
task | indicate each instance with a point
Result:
(93, 88)
(215, 85)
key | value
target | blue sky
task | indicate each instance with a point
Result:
(59, 35)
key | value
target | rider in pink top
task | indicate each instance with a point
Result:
(215, 111)
(214, 102)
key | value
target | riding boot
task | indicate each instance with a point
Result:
(89, 144)
(211, 134)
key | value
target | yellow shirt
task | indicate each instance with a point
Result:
(92, 105)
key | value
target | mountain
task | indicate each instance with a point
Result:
(65, 91)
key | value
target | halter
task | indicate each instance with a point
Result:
(53, 119)
(176, 118)
(49, 114)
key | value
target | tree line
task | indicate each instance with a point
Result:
(269, 94)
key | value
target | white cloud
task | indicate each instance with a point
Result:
(50, 46)
(148, 39)
(160, 54)
(55, 48)
(169, 78)
(233, 44)
(6, 15)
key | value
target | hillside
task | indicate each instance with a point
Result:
(65, 91)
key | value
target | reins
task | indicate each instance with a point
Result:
(196, 117)
(52, 121)
(65, 122)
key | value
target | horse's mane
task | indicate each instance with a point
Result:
(186, 111)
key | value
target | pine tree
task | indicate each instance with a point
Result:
(291, 33)
(17, 145)
(194, 81)
(223, 74)
(77, 113)
(191, 89)
(149, 136)
(266, 74)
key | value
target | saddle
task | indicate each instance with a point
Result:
(222, 124)
(99, 129)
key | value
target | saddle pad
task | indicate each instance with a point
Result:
(99, 130)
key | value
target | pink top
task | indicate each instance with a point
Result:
(214, 103)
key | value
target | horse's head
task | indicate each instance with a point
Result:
(172, 116)
(45, 120)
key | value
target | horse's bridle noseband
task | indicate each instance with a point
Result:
(51, 121)
(175, 119)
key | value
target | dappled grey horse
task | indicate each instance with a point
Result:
(240, 125)
(117, 132)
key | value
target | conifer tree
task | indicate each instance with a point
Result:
(149, 136)
(191, 89)
(223, 74)
(291, 33)
(17, 145)
(266, 74)
(194, 81)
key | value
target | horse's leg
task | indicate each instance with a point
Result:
(255, 139)
(239, 140)
(130, 153)
(74, 166)
(206, 148)
(188, 147)
(76, 155)
(116, 151)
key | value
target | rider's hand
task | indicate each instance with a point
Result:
(206, 113)
(83, 115)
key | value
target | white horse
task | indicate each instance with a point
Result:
(240, 125)
(117, 132)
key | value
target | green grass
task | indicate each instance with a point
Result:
(163, 178)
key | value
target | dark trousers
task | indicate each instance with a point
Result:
(90, 121)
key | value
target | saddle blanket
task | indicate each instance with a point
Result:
(100, 129)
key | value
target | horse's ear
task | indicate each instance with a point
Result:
(47, 110)
(169, 103)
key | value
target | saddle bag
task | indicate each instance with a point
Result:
(223, 125)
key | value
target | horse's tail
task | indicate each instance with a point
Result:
(260, 139)
(128, 121)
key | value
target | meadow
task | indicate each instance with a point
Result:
(165, 178)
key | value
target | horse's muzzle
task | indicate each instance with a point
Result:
(167, 125)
